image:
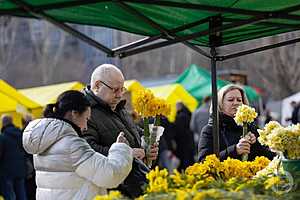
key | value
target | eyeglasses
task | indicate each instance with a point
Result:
(114, 90)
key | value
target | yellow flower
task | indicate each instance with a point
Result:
(147, 105)
(113, 195)
(177, 179)
(281, 139)
(140, 198)
(158, 181)
(181, 195)
(270, 182)
(266, 131)
(245, 114)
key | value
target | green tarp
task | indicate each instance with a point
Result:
(171, 14)
(197, 81)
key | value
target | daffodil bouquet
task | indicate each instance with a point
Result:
(148, 106)
(244, 116)
(281, 139)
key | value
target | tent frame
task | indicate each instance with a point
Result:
(214, 32)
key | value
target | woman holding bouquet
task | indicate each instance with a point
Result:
(232, 144)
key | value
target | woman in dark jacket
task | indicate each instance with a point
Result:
(232, 144)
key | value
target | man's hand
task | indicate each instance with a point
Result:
(121, 138)
(153, 152)
(138, 153)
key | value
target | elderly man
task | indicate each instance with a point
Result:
(12, 161)
(109, 117)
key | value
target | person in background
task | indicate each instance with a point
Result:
(199, 119)
(66, 166)
(295, 118)
(184, 138)
(167, 147)
(12, 161)
(268, 116)
(30, 177)
(230, 97)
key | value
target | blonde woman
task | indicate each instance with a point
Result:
(230, 97)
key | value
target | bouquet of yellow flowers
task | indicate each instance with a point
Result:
(281, 139)
(245, 115)
(148, 106)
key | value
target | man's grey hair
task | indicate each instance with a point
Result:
(6, 120)
(103, 72)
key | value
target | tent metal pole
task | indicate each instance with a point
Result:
(193, 35)
(64, 27)
(215, 113)
(269, 24)
(282, 14)
(259, 49)
(146, 40)
(135, 44)
(215, 39)
(168, 35)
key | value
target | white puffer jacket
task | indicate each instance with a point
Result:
(67, 167)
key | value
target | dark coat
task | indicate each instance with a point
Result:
(105, 125)
(229, 136)
(184, 138)
(295, 115)
(12, 155)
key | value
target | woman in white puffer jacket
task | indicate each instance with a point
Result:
(66, 166)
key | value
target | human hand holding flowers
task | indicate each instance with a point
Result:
(149, 106)
(139, 153)
(153, 152)
(251, 137)
(243, 147)
(245, 115)
(122, 139)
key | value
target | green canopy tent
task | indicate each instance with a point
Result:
(195, 23)
(197, 81)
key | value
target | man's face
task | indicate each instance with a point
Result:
(111, 89)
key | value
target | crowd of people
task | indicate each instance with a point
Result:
(87, 142)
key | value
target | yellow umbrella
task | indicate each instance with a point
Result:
(133, 85)
(16, 104)
(48, 94)
(174, 93)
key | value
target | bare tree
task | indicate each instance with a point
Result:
(8, 32)
(278, 69)
(48, 45)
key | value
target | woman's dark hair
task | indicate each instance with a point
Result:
(70, 100)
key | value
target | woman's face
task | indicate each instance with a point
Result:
(231, 101)
(81, 119)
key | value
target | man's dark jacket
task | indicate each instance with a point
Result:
(230, 134)
(12, 154)
(105, 125)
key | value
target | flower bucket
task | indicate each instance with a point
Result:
(293, 167)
